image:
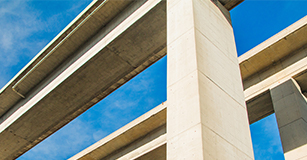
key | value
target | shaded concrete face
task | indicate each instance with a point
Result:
(206, 115)
(277, 59)
(272, 62)
(208, 130)
(117, 39)
(275, 80)
(140, 139)
(260, 107)
(290, 108)
(125, 50)
(75, 38)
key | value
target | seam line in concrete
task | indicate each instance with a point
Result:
(18, 136)
(226, 140)
(222, 89)
(217, 47)
(187, 75)
(183, 131)
(117, 55)
(180, 36)
(293, 122)
(200, 123)
(260, 87)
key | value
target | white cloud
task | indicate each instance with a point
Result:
(17, 23)
(26, 29)
(68, 141)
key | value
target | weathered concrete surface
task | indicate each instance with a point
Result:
(133, 39)
(141, 138)
(274, 61)
(259, 107)
(106, 45)
(206, 114)
(229, 4)
(301, 79)
(74, 38)
(98, 19)
(290, 108)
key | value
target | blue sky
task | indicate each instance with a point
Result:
(27, 26)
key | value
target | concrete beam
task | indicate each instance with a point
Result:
(141, 136)
(280, 57)
(230, 4)
(271, 63)
(80, 35)
(291, 113)
(133, 40)
(106, 45)
(259, 107)
(76, 37)
(155, 149)
(157, 154)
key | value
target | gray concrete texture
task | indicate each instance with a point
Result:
(119, 39)
(204, 85)
(262, 104)
(290, 108)
(124, 47)
(272, 62)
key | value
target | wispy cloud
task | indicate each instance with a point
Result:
(17, 23)
(25, 29)
(70, 140)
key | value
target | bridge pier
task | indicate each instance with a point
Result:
(206, 115)
(290, 108)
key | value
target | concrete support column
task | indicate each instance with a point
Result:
(290, 107)
(206, 114)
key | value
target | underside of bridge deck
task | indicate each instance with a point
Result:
(109, 43)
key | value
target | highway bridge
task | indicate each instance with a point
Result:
(112, 41)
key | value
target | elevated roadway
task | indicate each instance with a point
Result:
(281, 58)
(109, 43)
(276, 60)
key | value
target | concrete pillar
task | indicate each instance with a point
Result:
(206, 114)
(290, 107)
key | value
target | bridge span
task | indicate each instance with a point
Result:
(205, 115)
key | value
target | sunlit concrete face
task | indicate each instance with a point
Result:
(130, 40)
(206, 114)
(271, 63)
(143, 138)
(274, 76)
(279, 88)
(106, 45)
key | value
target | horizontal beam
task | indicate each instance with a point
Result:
(137, 133)
(273, 50)
(74, 38)
(230, 4)
(155, 150)
(275, 79)
(271, 63)
(82, 81)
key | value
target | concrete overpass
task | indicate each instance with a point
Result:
(274, 75)
(112, 41)
(278, 62)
